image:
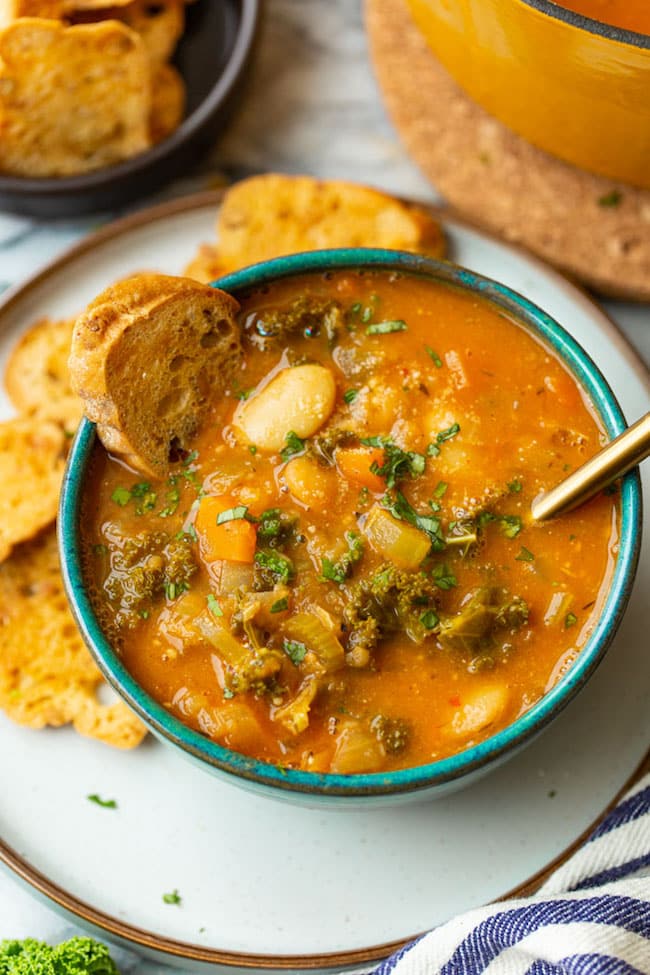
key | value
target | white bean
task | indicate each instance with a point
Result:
(479, 710)
(300, 399)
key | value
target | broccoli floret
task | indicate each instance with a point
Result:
(142, 569)
(276, 528)
(393, 733)
(311, 316)
(78, 956)
(390, 601)
(339, 571)
(484, 613)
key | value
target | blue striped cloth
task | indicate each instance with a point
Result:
(592, 917)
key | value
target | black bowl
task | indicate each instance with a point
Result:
(212, 57)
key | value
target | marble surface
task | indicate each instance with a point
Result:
(313, 87)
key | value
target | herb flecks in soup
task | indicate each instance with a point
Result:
(342, 576)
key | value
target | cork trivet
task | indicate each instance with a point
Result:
(500, 182)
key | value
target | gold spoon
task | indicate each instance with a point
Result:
(614, 460)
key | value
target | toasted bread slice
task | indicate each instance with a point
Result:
(32, 458)
(60, 113)
(47, 677)
(37, 378)
(146, 356)
(205, 265)
(168, 102)
(269, 216)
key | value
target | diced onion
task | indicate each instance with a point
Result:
(357, 750)
(324, 652)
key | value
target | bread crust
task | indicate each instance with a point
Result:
(146, 358)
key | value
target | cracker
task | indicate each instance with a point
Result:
(72, 99)
(114, 724)
(168, 102)
(37, 378)
(72, 6)
(47, 677)
(204, 266)
(32, 458)
(12, 9)
(268, 216)
(159, 24)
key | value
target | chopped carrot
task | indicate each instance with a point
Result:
(233, 540)
(354, 463)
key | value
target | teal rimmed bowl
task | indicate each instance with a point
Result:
(424, 780)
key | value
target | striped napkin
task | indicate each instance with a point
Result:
(592, 917)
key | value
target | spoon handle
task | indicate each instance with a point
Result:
(615, 459)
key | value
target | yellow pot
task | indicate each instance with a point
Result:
(575, 87)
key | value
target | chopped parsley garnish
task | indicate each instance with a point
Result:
(339, 571)
(173, 898)
(174, 589)
(191, 457)
(294, 445)
(278, 565)
(213, 605)
(400, 508)
(100, 549)
(611, 199)
(104, 803)
(366, 314)
(280, 605)
(525, 555)
(440, 489)
(244, 394)
(173, 498)
(385, 328)
(510, 525)
(397, 464)
(121, 496)
(350, 395)
(448, 433)
(433, 450)
(444, 578)
(232, 514)
(429, 619)
(275, 526)
(252, 449)
(144, 614)
(514, 486)
(228, 694)
(570, 620)
(141, 492)
(295, 651)
(435, 358)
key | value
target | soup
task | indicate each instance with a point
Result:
(342, 575)
(629, 14)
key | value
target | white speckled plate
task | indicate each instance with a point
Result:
(266, 884)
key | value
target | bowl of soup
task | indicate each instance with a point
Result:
(339, 593)
(570, 76)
